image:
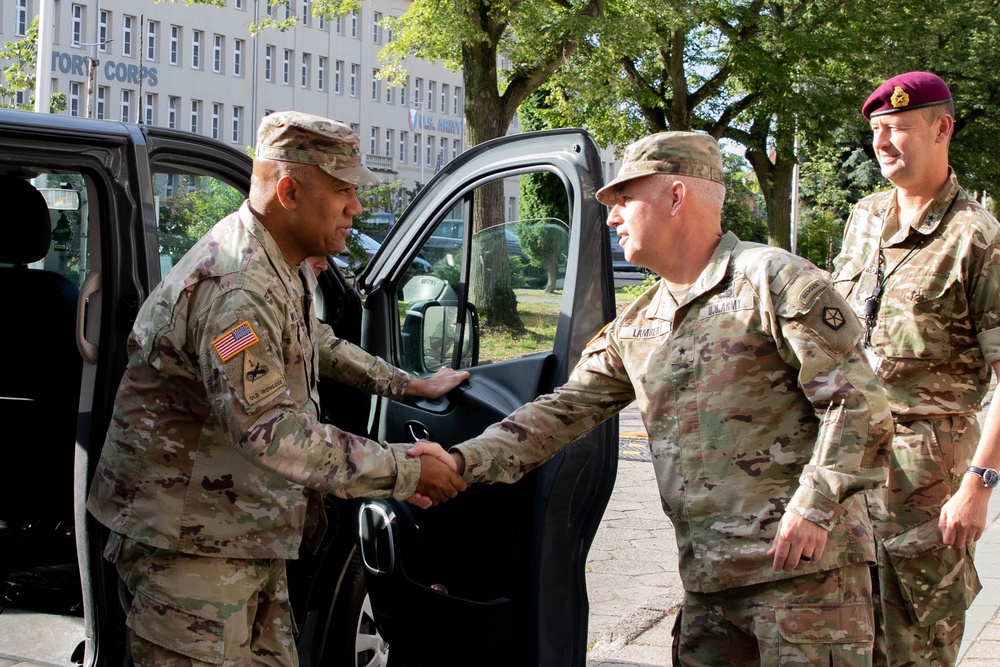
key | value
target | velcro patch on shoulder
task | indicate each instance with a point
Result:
(259, 379)
(235, 341)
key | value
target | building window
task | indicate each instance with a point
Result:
(338, 76)
(354, 80)
(444, 98)
(416, 149)
(77, 31)
(238, 57)
(172, 104)
(237, 124)
(388, 143)
(286, 67)
(376, 28)
(454, 148)
(238, 4)
(218, 44)
(418, 86)
(403, 92)
(428, 153)
(196, 49)
(355, 129)
(126, 106)
(388, 94)
(149, 111)
(305, 69)
(430, 96)
(322, 22)
(152, 27)
(103, 25)
(306, 13)
(511, 208)
(175, 45)
(269, 63)
(289, 9)
(127, 22)
(457, 96)
(20, 17)
(74, 98)
(442, 153)
(373, 147)
(403, 137)
(216, 120)
(102, 101)
(340, 25)
(195, 115)
(321, 74)
(354, 24)
(375, 95)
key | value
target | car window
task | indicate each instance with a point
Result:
(188, 204)
(464, 270)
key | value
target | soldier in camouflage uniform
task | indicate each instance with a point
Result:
(765, 423)
(215, 461)
(921, 265)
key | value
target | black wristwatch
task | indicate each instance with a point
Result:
(989, 476)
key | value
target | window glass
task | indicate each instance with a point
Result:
(188, 205)
(462, 264)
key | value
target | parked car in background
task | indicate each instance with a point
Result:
(98, 211)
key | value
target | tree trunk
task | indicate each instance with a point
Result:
(487, 118)
(775, 179)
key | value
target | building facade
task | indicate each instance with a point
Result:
(200, 69)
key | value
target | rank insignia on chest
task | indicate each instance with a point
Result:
(833, 318)
(235, 341)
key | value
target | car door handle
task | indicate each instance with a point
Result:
(417, 431)
(91, 286)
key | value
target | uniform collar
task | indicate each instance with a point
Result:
(662, 304)
(934, 213)
(287, 272)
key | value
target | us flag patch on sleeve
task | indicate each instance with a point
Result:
(235, 340)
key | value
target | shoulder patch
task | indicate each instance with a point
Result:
(235, 341)
(833, 317)
(259, 379)
(600, 334)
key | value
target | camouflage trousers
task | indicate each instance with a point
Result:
(823, 618)
(922, 588)
(197, 610)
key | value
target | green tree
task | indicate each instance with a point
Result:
(544, 207)
(19, 74)
(192, 208)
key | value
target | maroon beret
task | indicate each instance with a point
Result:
(913, 90)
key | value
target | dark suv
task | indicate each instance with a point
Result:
(99, 211)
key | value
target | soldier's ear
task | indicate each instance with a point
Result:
(287, 191)
(678, 195)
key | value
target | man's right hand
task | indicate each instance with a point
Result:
(437, 480)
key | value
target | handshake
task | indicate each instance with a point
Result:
(440, 474)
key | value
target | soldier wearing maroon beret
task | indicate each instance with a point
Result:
(920, 266)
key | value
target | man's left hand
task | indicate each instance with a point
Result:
(799, 543)
(436, 385)
(963, 517)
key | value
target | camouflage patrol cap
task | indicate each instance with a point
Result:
(904, 92)
(681, 153)
(293, 136)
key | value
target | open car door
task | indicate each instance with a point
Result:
(495, 576)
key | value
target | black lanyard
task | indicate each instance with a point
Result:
(874, 301)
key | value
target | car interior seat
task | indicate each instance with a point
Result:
(39, 390)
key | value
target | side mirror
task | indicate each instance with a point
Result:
(431, 336)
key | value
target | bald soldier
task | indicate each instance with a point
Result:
(765, 423)
(215, 461)
(921, 265)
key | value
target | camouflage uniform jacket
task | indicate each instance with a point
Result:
(938, 326)
(757, 400)
(214, 442)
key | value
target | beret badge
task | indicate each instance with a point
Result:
(899, 98)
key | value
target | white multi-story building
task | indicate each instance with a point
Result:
(199, 68)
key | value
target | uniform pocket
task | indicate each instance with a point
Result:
(176, 629)
(828, 634)
(935, 580)
(917, 309)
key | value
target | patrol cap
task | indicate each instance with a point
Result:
(293, 136)
(905, 92)
(681, 153)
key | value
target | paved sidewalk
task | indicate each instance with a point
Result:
(635, 590)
